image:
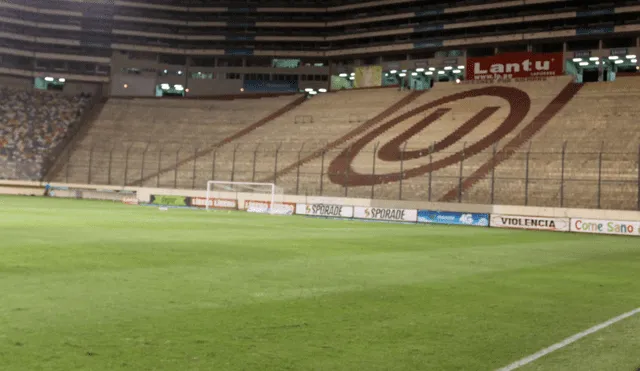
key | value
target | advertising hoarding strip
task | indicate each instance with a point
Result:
(603, 226)
(530, 222)
(515, 65)
(376, 213)
(453, 218)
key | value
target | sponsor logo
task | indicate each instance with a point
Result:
(284, 208)
(514, 65)
(385, 214)
(130, 200)
(324, 210)
(606, 227)
(170, 200)
(529, 222)
(452, 217)
(214, 202)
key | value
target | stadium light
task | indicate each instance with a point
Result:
(432, 68)
(186, 90)
(343, 75)
(353, 73)
(308, 89)
(457, 81)
(448, 68)
(594, 58)
(322, 90)
(126, 86)
(393, 72)
(419, 69)
(631, 56)
(164, 86)
(404, 70)
(584, 63)
(577, 60)
(414, 74)
(313, 92)
(613, 57)
(618, 61)
(440, 72)
(456, 71)
(351, 78)
(178, 87)
(634, 61)
(461, 67)
(428, 73)
(48, 78)
(165, 72)
(402, 75)
(62, 79)
(179, 72)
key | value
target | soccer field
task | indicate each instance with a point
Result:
(102, 286)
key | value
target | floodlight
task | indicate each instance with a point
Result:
(577, 60)
(414, 74)
(631, 56)
(322, 90)
(419, 69)
(48, 78)
(393, 72)
(584, 63)
(456, 71)
(432, 69)
(62, 79)
(618, 61)
(613, 57)
(429, 73)
(448, 68)
(343, 75)
(461, 67)
(594, 58)
(402, 75)
(440, 72)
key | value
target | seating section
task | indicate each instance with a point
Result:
(32, 124)
(153, 134)
(540, 143)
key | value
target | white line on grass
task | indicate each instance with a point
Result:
(567, 341)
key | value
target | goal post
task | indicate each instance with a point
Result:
(270, 194)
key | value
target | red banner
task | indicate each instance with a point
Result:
(515, 65)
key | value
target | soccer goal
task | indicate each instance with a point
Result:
(258, 197)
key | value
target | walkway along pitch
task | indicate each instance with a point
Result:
(226, 140)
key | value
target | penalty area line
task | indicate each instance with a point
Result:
(567, 341)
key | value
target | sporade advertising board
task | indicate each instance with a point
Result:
(453, 218)
(515, 65)
(401, 215)
(530, 222)
(325, 210)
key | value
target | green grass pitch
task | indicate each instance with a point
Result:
(102, 286)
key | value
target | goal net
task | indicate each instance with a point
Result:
(264, 198)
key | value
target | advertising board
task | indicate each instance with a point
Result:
(165, 200)
(530, 222)
(453, 218)
(515, 65)
(400, 215)
(325, 210)
(215, 203)
(599, 226)
(282, 208)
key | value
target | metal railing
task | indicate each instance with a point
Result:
(552, 177)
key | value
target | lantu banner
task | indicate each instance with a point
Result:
(515, 65)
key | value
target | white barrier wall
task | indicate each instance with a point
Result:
(543, 218)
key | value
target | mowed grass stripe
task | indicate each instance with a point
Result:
(102, 286)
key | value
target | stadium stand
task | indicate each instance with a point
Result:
(423, 129)
(32, 125)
